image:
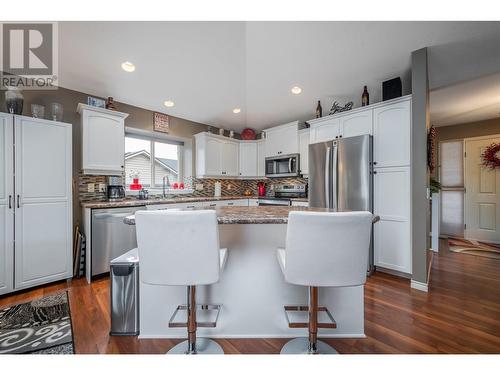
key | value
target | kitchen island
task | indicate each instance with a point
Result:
(251, 289)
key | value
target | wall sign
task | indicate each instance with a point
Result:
(160, 122)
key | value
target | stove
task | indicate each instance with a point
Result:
(283, 194)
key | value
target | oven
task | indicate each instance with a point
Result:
(283, 166)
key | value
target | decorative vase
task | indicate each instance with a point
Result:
(14, 101)
(56, 111)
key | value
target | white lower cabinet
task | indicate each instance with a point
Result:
(41, 205)
(190, 205)
(392, 236)
(300, 203)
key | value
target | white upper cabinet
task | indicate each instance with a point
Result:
(230, 158)
(216, 156)
(282, 140)
(212, 156)
(325, 130)
(341, 126)
(359, 123)
(248, 159)
(391, 134)
(304, 151)
(103, 140)
(261, 158)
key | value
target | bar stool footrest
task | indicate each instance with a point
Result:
(199, 307)
(301, 308)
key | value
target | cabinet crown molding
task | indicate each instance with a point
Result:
(358, 109)
(81, 107)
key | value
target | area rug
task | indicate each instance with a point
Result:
(478, 248)
(42, 326)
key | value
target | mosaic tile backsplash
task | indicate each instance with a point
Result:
(228, 187)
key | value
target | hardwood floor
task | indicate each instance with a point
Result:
(460, 314)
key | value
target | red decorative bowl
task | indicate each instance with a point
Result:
(248, 134)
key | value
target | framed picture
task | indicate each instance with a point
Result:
(160, 122)
(96, 102)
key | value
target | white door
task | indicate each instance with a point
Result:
(359, 123)
(261, 158)
(6, 204)
(392, 240)
(248, 159)
(103, 143)
(43, 213)
(230, 157)
(325, 131)
(482, 194)
(213, 151)
(391, 134)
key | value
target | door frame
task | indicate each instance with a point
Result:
(480, 138)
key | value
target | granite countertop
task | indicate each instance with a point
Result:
(254, 215)
(131, 202)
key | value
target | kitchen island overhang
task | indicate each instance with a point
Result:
(251, 289)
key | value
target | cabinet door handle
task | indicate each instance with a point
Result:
(374, 163)
(340, 136)
(10, 201)
(374, 172)
(17, 200)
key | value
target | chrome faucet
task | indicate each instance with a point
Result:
(166, 184)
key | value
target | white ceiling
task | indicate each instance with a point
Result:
(469, 101)
(209, 68)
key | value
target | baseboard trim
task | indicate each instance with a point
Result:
(424, 287)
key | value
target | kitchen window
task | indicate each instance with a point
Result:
(150, 159)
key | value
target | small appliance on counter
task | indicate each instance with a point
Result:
(116, 191)
(283, 195)
(262, 188)
(217, 189)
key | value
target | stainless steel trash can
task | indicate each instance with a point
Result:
(124, 275)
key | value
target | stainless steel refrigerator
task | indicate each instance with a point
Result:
(341, 176)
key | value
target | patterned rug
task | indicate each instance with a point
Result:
(42, 326)
(478, 248)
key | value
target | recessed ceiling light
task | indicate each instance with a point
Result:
(296, 90)
(236, 110)
(128, 66)
(168, 103)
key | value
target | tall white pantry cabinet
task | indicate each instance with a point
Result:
(35, 202)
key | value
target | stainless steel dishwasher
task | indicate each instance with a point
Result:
(111, 237)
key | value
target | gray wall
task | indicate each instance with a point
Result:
(468, 130)
(138, 118)
(419, 171)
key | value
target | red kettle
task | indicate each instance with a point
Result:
(262, 189)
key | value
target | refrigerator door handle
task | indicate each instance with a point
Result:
(334, 178)
(327, 177)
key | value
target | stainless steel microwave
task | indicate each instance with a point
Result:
(283, 166)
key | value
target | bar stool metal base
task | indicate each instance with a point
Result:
(203, 346)
(300, 345)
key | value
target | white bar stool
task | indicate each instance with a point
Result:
(323, 249)
(182, 248)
